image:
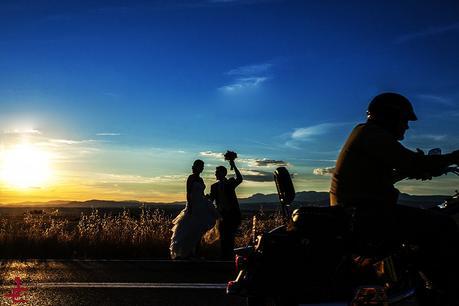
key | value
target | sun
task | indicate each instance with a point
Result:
(25, 166)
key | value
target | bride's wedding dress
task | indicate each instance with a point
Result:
(191, 224)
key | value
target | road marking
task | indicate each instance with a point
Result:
(124, 285)
(114, 260)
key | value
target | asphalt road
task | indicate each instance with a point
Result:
(95, 282)
(119, 282)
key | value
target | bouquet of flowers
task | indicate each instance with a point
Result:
(230, 156)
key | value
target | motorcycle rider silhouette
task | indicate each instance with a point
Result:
(371, 161)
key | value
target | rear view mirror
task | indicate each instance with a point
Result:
(284, 185)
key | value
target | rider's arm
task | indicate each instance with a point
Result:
(406, 163)
(424, 167)
(436, 164)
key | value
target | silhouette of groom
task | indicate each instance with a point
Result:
(224, 194)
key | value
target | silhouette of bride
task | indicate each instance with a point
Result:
(195, 219)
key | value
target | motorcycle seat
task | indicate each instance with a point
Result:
(321, 221)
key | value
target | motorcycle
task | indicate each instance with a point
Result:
(314, 259)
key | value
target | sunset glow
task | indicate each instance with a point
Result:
(25, 166)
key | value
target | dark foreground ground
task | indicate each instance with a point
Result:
(69, 283)
(119, 282)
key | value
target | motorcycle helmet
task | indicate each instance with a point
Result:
(390, 107)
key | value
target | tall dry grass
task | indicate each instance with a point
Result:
(39, 234)
(263, 222)
(124, 234)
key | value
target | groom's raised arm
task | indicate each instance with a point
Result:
(238, 173)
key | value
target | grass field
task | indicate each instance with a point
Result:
(104, 233)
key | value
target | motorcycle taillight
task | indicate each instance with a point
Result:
(241, 262)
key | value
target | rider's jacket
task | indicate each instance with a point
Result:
(369, 164)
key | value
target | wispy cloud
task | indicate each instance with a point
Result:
(429, 137)
(211, 154)
(324, 171)
(431, 31)
(22, 132)
(251, 162)
(242, 84)
(167, 150)
(310, 133)
(247, 77)
(38, 137)
(108, 134)
(258, 176)
(320, 160)
(437, 99)
(307, 133)
(71, 142)
(270, 163)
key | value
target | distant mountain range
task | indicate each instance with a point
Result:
(265, 200)
(302, 196)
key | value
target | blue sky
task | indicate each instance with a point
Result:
(124, 95)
